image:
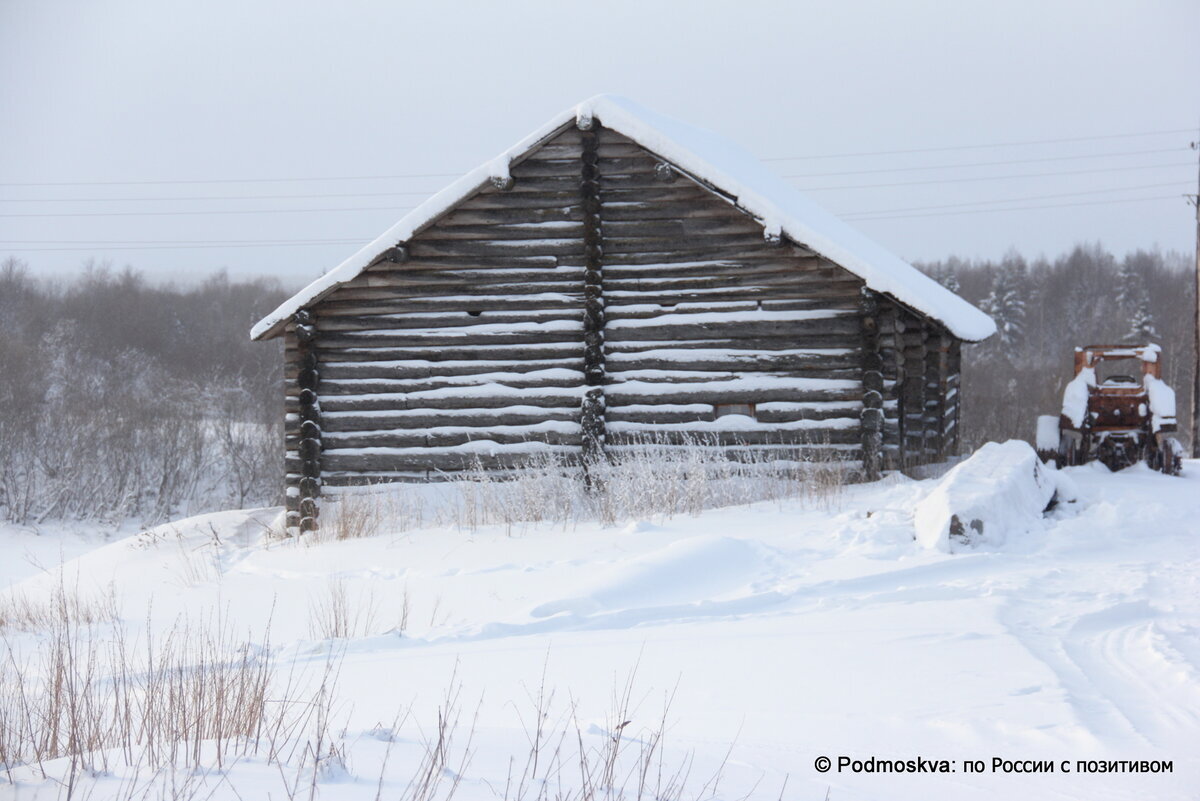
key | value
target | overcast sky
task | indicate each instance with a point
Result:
(119, 115)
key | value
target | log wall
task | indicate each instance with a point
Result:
(598, 299)
(705, 314)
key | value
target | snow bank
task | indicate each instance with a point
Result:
(1001, 491)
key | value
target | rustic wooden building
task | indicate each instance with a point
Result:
(615, 274)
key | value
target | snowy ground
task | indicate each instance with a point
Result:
(786, 632)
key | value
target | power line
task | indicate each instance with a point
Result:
(191, 247)
(239, 180)
(1021, 199)
(1011, 208)
(993, 177)
(233, 242)
(245, 243)
(238, 212)
(980, 147)
(987, 163)
(217, 211)
(325, 196)
(160, 199)
(399, 176)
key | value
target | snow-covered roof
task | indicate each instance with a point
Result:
(779, 206)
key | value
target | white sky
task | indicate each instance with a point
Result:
(110, 91)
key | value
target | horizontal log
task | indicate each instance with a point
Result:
(617, 376)
(450, 303)
(366, 386)
(421, 368)
(807, 457)
(686, 393)
(422, 418)
(442, 438)
(465, 287)
(771, 343)
(815, 436)
(352, 479)
(334, 340)
(370, 352)
(568, 401)
(460, 320)
(735, 224)
(671, 205)
(506, 216)
(707, 305)
(681, 328)
(503, 232)
(563, 199)
(432, 459)
(422, 247)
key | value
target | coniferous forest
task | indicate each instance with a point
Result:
(125, 398)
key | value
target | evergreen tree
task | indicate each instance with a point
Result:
(1141, 322)
(1006, 302)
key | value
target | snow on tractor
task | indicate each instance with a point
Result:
(1112, 414)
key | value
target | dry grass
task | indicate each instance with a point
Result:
(196, 696)
(174, 715)
(649, 480)
(342, 615)
(22, 612)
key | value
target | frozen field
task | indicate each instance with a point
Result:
(781, 632)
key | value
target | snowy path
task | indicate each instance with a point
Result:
(791, 631)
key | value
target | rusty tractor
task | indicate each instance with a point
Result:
(1116, 410)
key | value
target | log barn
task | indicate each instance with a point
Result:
(615, 275)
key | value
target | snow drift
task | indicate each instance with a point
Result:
(1001, 491)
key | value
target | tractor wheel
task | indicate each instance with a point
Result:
(1069, 453)
(1117, 453)
(1170, 456)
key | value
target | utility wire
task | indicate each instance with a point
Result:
(406, 208)
(231, 242)
(857, 218)
(980, 147)
(1021, 199)
(239, 180)
(994, 177)
(163, 182)
(988, 163)
(322, 196)
(217, 211)
(160, 199)
(237, 244)
(191, 247)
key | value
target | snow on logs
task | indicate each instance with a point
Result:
(999, 493)
(600, 297)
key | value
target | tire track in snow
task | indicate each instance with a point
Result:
(1118, 650)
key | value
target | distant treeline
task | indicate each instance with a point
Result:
(122, 398)
(1044, 309)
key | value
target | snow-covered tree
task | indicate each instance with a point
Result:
(1006, 300)
(1141, 322)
